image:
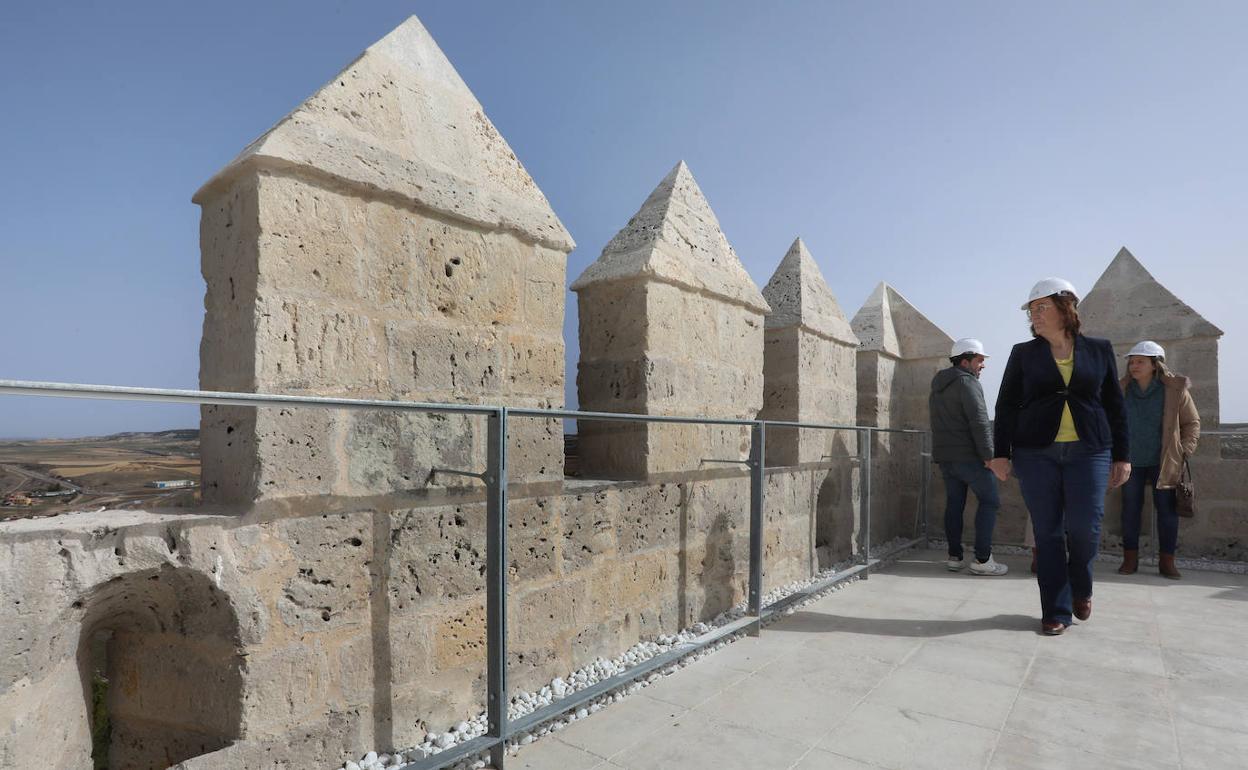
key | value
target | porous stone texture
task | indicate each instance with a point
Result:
(1127, 304)
(155, 609)
(242, 642)
(809, 369)
(670, 324)
(809, 375)
(900, 351)
(381, 241)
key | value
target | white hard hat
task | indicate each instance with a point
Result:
(967, 345)
(1047, 287)
(1148, 348)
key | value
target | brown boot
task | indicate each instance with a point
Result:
(1033, 563)
(1083, 608)
(1130, 561)
(1165, 566)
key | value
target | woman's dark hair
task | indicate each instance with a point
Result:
(1065, 307)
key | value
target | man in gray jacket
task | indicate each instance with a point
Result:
(962, 446)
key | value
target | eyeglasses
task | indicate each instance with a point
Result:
(1041, 307)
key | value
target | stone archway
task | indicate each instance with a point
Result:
(159, 661)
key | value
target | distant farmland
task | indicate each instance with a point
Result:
(97, 472)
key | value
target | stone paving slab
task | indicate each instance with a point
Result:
(918, 667)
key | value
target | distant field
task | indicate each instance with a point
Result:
(102, 472)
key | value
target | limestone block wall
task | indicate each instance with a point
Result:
(362, 248)
(901, 350)
(670, 324)
(809, 368)
(381, 241)
(150, 604)
(264, 638)
(810, 375)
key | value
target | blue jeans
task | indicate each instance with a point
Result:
(1064, 487)
(958, 478)
(1164, 501)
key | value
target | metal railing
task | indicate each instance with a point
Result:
(500, 729)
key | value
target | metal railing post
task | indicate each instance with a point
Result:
(758, 459)
(925, 477)
(864, 456)
(496, 584)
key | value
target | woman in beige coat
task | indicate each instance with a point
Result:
(1164, 428)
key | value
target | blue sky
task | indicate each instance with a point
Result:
(957, 150)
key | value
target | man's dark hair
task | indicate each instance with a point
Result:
(957, 360)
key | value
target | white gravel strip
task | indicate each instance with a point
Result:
(525, 703)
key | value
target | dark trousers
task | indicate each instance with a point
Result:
(1164, 501)
(959, 477)
(1064, 487)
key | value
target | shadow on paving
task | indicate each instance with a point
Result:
(821, 623)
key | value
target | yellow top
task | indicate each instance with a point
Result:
(1066, 430)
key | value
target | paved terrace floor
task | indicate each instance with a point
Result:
(921, 668)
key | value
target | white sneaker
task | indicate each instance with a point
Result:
(990, 568)
(955, 565)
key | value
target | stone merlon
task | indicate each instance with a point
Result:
(799, 296)
(675, 238)
(400, 122)
(888, 323)
(1128, 303)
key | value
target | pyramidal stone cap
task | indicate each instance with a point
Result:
(676, 238)
(799, 296)
(1128, 303)
(888, 323)
(399, 122)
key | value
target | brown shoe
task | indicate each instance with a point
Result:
(1083, 608)
(1130, 561)
(1165, 566)
(1033, 561)
(1053, 627)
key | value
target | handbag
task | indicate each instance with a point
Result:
(1185, 494)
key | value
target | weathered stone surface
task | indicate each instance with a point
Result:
(400, 119)
(888, 323)
(670, 323)
(1127, 304)
(382, 241)
(392, 256)
(459, 639)
(675, 238)
(1233, 447)
(901, 351)
(137, 600)
(799, 296)
(809, 370)
(328, 585)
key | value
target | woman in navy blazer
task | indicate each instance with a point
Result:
(1061, 420)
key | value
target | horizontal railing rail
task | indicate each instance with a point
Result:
(499, 728)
